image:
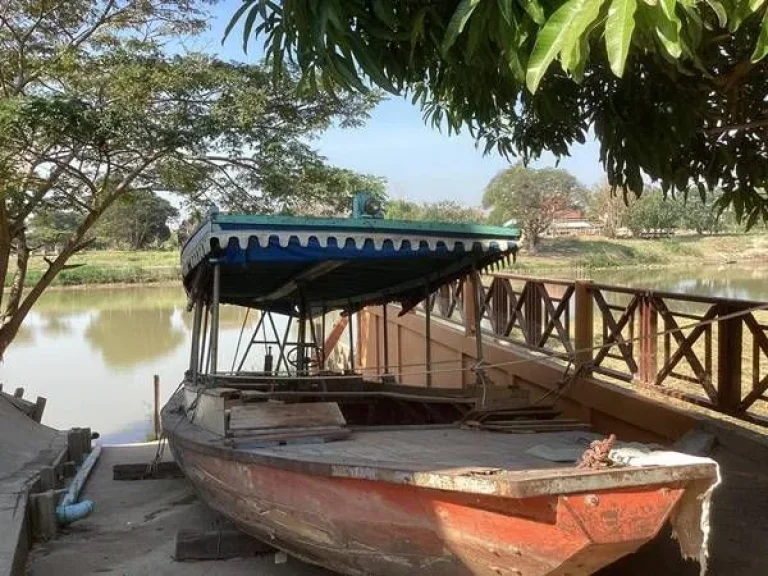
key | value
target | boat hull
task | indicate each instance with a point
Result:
(361, 526)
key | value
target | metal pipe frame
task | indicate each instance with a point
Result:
(216, 296)
(194, 357)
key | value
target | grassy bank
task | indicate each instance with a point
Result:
(596, 253)
(113, 267)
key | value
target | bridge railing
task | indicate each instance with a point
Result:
(706, 350)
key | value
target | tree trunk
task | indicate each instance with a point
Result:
(17, 287)
(5, 247)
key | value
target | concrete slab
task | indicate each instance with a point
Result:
(133, 529)
(25, 447)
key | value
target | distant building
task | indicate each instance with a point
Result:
(573, 222)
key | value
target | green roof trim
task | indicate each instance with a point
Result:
(230, 221)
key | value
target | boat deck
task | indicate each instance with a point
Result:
(444, 449)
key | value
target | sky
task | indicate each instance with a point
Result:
(419, 162)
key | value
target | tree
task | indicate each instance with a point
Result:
(653, 212)
(442, 211)
(674, 90)
(702, 214)
(532, 197)
(50, 228)
(608, 208)
(92, 109)
(137, 220)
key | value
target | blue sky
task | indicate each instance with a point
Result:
(419, 162)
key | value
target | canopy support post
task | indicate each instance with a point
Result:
(203, 343)
(386, 339)
(322, 340)
(351, 342)
(428, 337)
(302, 339)
(480, 377)
(195, 352)
(215, 317)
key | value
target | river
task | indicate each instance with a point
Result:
(93, 353)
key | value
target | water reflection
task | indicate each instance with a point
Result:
(129, 337)
(742, 282)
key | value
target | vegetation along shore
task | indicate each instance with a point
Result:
(554, 256)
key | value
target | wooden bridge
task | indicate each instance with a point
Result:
(712, 352)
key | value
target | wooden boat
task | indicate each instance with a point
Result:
(367, 476)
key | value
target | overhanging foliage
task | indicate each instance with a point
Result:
(675, 90)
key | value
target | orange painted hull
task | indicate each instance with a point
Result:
(358, 526)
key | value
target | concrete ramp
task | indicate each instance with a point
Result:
(25, 447)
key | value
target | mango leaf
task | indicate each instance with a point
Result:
(458, 21)
(563, 29)
(668, 31)
(505, 7)
(668, 7)
(385, 11)
(722, 16)
(247, 27)
(761, 48)
(742, 10)
(575, 59)
(236, 17)
(618, 33)
(534, 10)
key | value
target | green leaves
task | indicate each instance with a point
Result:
(618, 33)
(458, 21)
(657, 94)
(561, 33)
(761, 49)
(534, 10)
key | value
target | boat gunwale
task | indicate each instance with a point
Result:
(491, 481)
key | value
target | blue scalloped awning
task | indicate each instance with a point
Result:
(273, 262)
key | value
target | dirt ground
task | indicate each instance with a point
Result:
(133, 528)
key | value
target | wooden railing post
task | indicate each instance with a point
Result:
(470, 305)
(583, 322)
(729, 360)
(534, 313)
(649, 323)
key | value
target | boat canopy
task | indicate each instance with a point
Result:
(284, 264)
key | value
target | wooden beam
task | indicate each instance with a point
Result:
(146, 471)
(217, 545)
(335, 335)
(312, 273)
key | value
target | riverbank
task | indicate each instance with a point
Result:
(559, 254)
(114, 268)
(111, 267)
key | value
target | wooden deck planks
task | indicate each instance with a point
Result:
(440, 449)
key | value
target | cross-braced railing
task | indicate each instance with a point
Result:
(706, 350)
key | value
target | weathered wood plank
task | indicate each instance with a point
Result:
(146, 471)
(275, 415)
(206, 409)
(217, 545)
